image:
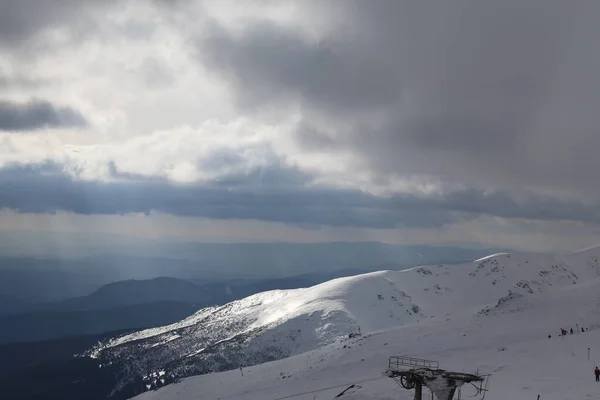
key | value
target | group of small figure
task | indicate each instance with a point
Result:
(564, 332)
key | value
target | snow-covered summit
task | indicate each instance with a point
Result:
(278, 324)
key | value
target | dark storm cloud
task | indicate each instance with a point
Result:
(486, 94)
(47, 189)
(37, 114)
(270, 64)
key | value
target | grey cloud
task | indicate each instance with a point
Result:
(156, 74)
(227, 164)
(24, 24)
(492, 95)
(20, 82)
(309, 137)
(37, 114)
(46, 189)
(534, 207)
(22, 20)
(489, 95)
(460, 133)
(270, 65)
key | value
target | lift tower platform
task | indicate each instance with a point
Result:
(414, 373)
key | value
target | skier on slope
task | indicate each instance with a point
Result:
(597, 373)
(571, 331)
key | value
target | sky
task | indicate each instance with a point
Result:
(399, 121)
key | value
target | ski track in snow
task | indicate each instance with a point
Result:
(493, 315)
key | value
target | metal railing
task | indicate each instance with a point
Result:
(398, 362)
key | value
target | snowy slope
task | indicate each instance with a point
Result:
(278, 324)
(511, 343)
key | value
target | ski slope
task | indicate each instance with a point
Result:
(461, 315)
(510, 341)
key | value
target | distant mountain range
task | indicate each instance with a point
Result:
(134, 304)
(135, 292)
(51, 279)
(10, 304)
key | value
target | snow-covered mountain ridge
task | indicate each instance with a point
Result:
(282, 323)
(510, 341)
